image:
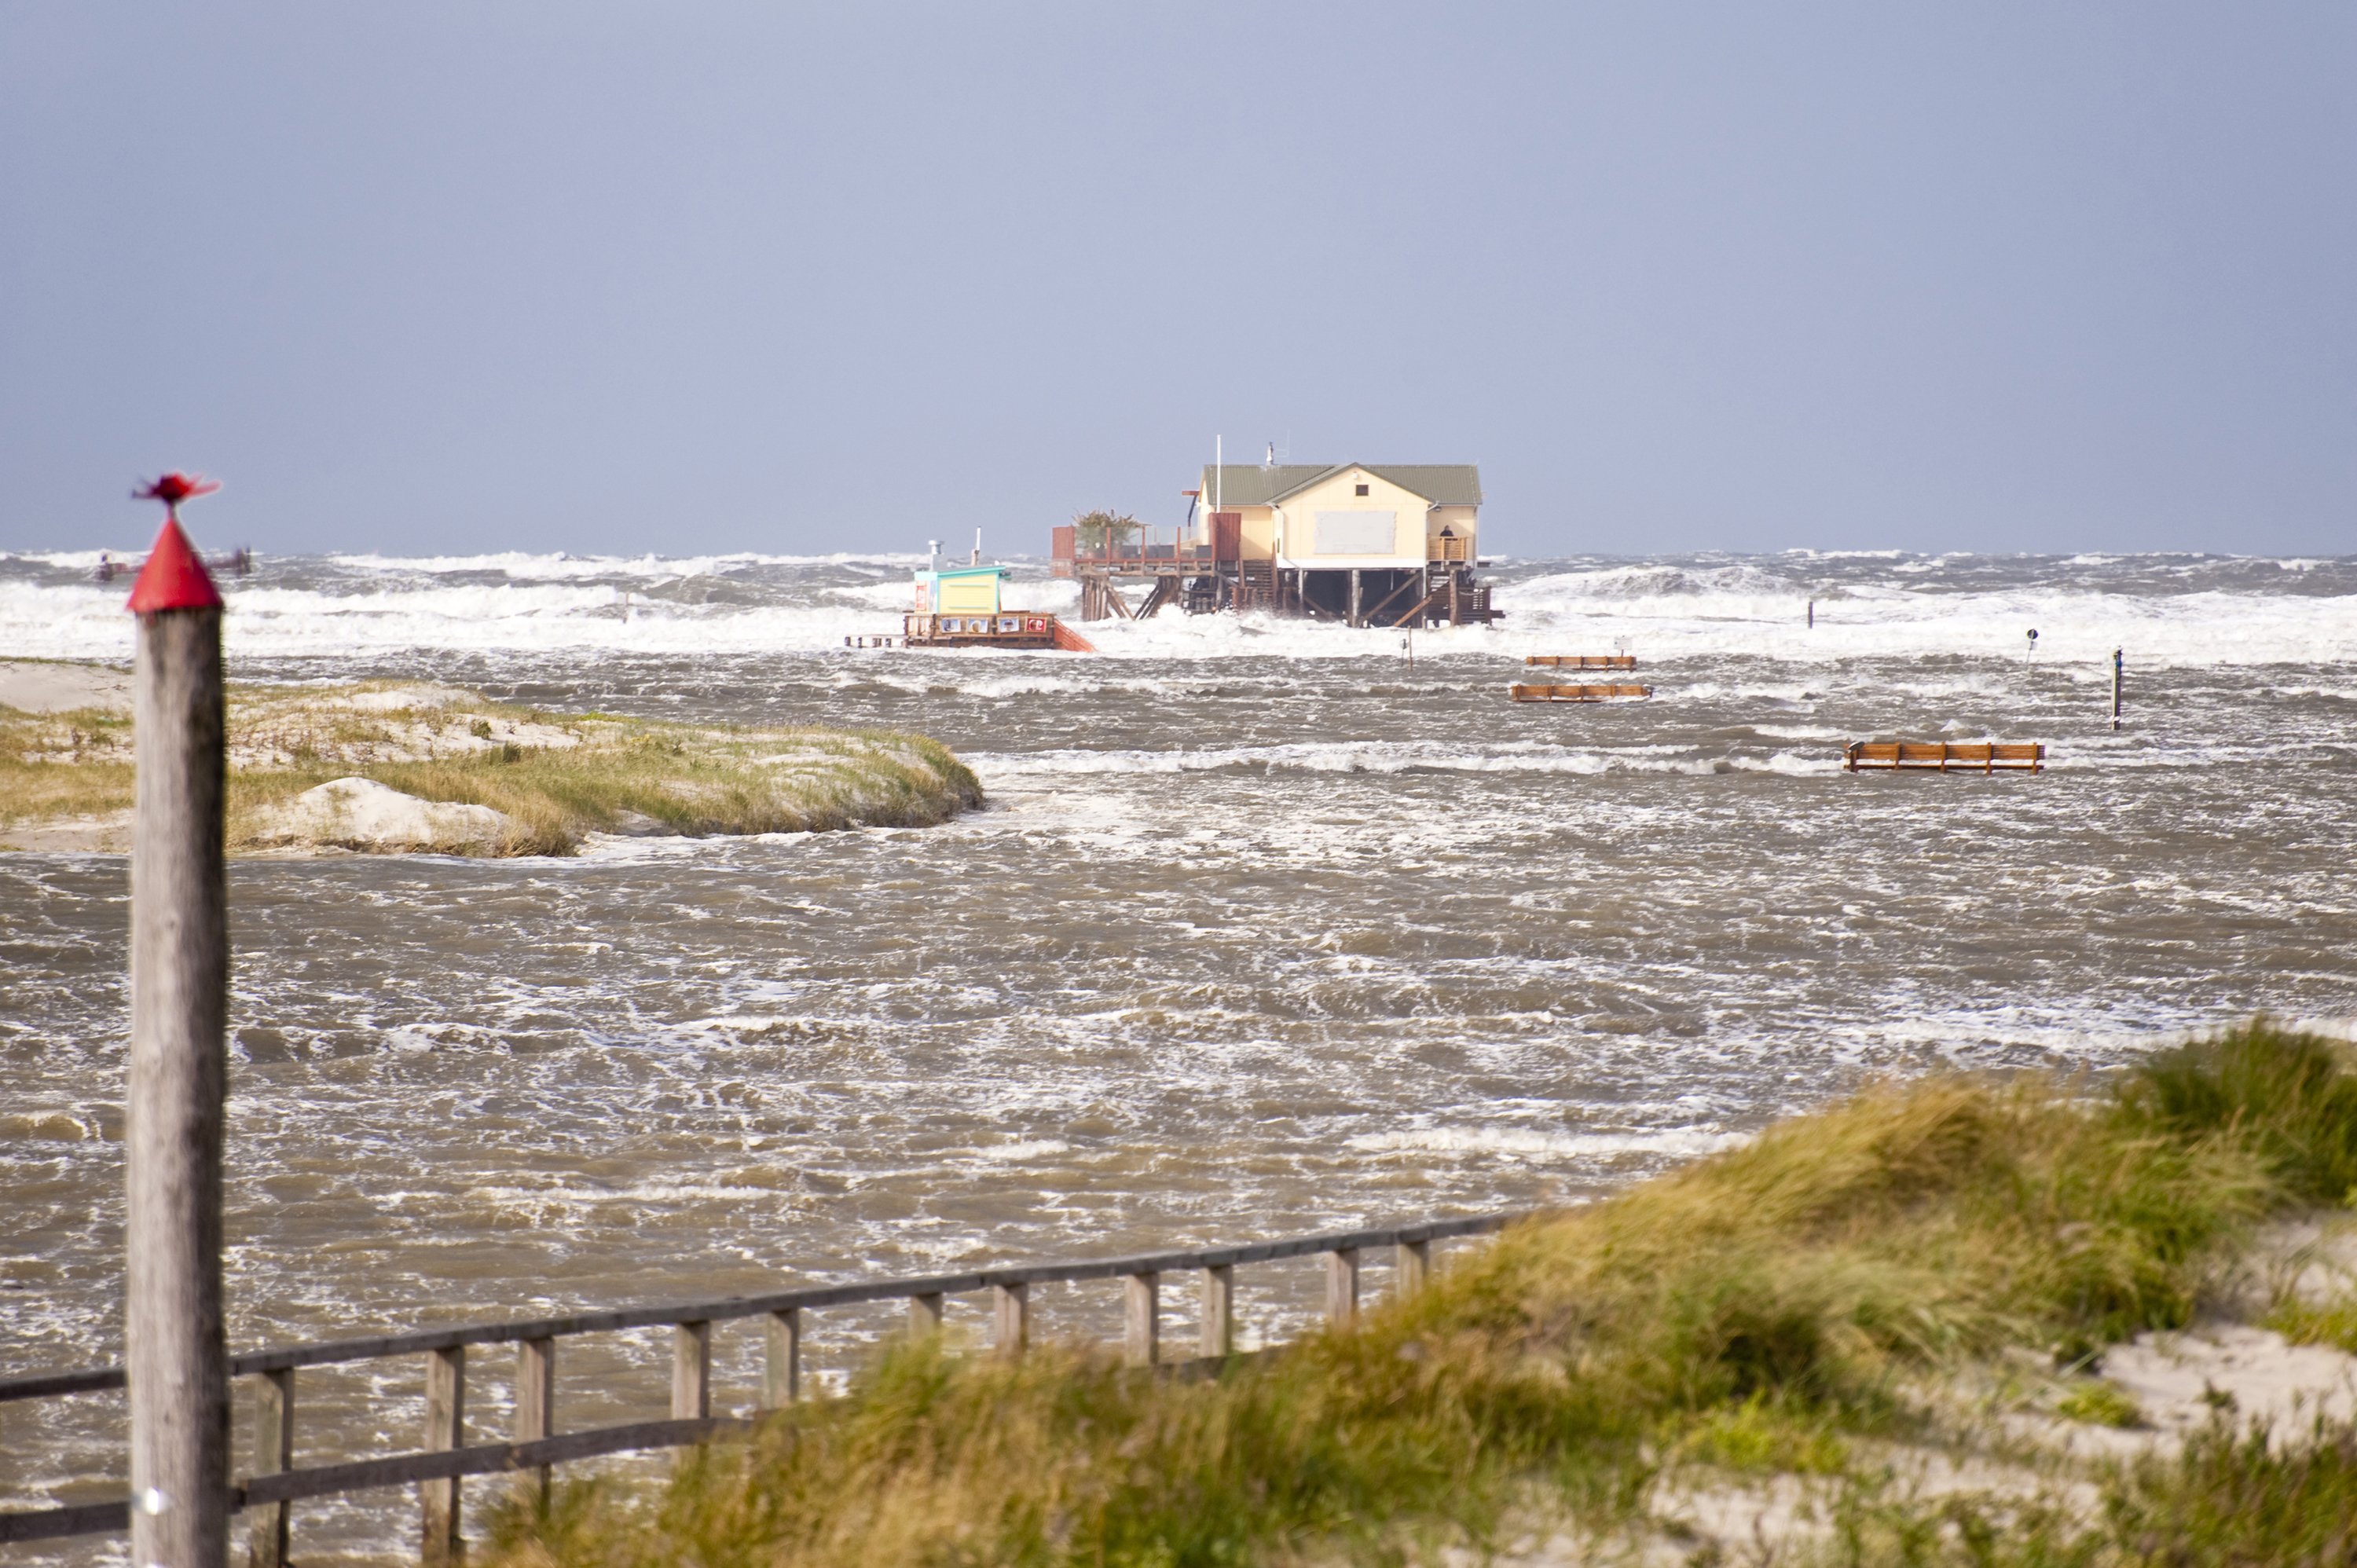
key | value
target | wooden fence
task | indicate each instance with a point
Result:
(446, 1459)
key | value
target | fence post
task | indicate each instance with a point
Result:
(535, 1408)
(274, 1451)
(781, 1383)
(690, 1371)
(1141, 1319)
(1218, 1333)
(176, 1353)
(1012, 1314)
(445, 1428)
(1411, 1267)
(1343, 1287)
(925, 1314)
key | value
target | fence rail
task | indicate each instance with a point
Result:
(446, 1459)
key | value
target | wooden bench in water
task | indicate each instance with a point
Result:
(1942, 756)
(268, 1493)
(1523, 693)
(1585, 660)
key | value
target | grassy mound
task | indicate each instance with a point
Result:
(552, 778)
(1779, 1309)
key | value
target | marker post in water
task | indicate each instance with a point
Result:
(2119, 676)
(175, 1348)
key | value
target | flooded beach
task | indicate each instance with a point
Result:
(1264, 927)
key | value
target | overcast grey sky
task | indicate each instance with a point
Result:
(456, 277)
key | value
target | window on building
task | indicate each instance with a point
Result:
(1362, 489)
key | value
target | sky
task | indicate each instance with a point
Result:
(448, 278)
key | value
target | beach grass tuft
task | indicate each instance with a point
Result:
(1775, 1308)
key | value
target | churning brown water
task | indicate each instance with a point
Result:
(1263, 930)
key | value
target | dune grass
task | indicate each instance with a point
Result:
(555, 777)
(1768, 1309)
(75, 763)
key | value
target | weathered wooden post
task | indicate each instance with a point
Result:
(1218, 1338)
(782, 1381)
(535, 1409)
(690, 1371)
(1343, 1287)
(1412, 1268)
(925, 1314)
(273, 1452)
(1012, 1319)
(438, 1501)
(2119, 675)
(1141, 1319)
(174, 1346)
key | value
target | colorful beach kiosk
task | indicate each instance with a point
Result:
(961, 606)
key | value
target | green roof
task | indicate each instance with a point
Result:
(1254, 484)
(965, 570)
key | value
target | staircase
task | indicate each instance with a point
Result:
(1255, 585)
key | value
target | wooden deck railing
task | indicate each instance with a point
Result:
(446, 1459)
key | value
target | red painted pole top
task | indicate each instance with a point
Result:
(174, 578)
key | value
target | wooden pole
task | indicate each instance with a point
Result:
(273, 1452)
(690, 1371)
(445, 1428)
(1141, 1318)
(2119, 675)
(1413, 1269)
(782, 1382)
(535, 1409)
(1343, 1287)
(175, 1350)
(1218, 1330)
(1013, 1319)
(925, 1314)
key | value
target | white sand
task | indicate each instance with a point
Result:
(2220, 1370)
(360, 813)
(44, 688)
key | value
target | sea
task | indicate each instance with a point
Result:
(1266, 927)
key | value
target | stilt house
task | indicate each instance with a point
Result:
(1368, 543)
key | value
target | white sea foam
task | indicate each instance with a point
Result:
(1388, 757)
(1025, 1149)
(1530, 1144)
(1884, 606)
